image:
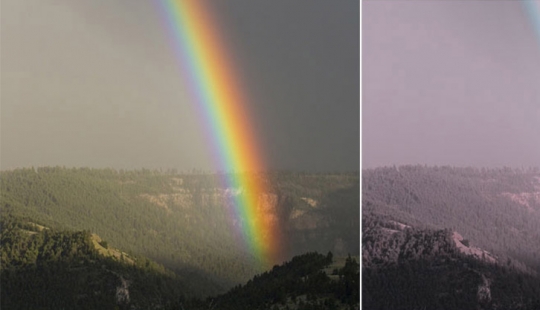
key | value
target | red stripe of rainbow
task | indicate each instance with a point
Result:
(204, 61)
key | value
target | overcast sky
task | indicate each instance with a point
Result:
(450, 83)
(96, 84)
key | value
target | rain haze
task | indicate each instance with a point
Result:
(97, 84)
(450, 83)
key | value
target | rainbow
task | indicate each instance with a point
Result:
(223, 106)
(532, 7)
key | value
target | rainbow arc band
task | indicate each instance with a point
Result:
(532, 7)
(222, 104)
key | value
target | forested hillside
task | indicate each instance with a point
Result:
(311, 281)
(184, 221)
(44, 268)
(411, 268)
(450, 238)
(495, 209)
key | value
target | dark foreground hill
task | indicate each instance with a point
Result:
(43, 268)
(185, 221)
(310, 281)
(450, 238)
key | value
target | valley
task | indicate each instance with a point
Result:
(182, 225)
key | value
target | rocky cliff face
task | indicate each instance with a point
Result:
(463, 246)
(306, 223)
(269, 207)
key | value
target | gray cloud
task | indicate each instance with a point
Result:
(450, 83)
(98, 84)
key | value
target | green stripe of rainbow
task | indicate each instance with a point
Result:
(203, 57)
